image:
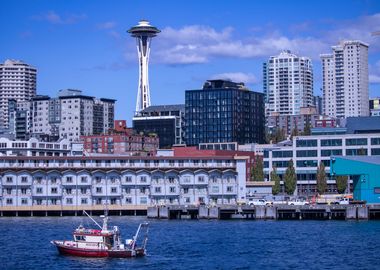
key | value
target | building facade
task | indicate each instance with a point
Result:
(374, 107)
(345, 80)
(224, 111)
(84, 182)
(18, 81)
(166, 121)
(307, 152)
(288, 83)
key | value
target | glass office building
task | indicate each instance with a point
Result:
(224, 111)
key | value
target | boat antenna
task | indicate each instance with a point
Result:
(92, 219)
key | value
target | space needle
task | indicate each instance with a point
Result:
(143, 32)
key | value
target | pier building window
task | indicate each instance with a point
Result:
(127, 190)
(24, 190)
(24, 201)
(201, 179)
(306, 143)
(186, 179)
(171, 179)
(131, 163)
(69, 179)
(54, 201)
(215, 189)
(128, 200)
(113, 190)
(98, 179)
(24, 179)
(143, 200)
(68, 190)
(143, 179)
(83, 179)
(157, 189)
(128, 179)
(356, 141)
(54, 190)
(53, 180)
(356, 152)
(266, 164)
(172, 190)
(9, 179)
(181, 163)
(195, 162)
(8, 191)
(186, 190)
(332, 152)
(39, 202)
(98, 190)
(204, 163)
(280, 164)
(230, 189)
(187, 200)
(69, 200)
(307, 163)
(171, 163)
(98, 163)
(307, 153)
(83, 201)
(98, 201)
(83, 190)
(375, 152)
(281, 154)
(375, 141)
(39, 190)
(39, 180)
(113, 201)
(9, 201)
(142, 190)
(331, 142)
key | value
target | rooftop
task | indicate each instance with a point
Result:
(367, 159)
(360, 125)
(162, 108)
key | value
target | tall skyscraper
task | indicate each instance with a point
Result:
(288, 83)
(143, 32)
(224, 111)
(345, 80)
(18, 82)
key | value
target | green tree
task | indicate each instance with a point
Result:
(274, 177)
(307, 129)
(341, 183)
(362, 152)
(321, 179)
(258, 170)
(294, 132)
(290, 179)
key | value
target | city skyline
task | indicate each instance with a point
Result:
(87, 47)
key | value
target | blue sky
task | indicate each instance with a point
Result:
(84, 45)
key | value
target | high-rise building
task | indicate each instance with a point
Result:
(318, 104)
(374, 106)
(288, 83)
(224, 111)
(345, 80)
(143, 32)
(18, 82)
(167, 121)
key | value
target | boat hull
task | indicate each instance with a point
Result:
(81, 252)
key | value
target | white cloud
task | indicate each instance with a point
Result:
(373, 78)
(54, 18)
(196, 44)
(106, 25)
(236, 77)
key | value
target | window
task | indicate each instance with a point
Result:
(357, 141)
(24, 201)
(307, 163)
(9, 179)
(201, 179)
(83, 179)
(333, 152)
(98, 190)
(171, 179)
(186, 190)
(157, 189)
(24, 190)
(306, 153)
(24, 179)
(375, 152)
(9, 201)
(128, 179)
(39, 190)
(69, 200)
(113, 190)
(127, 190)
(98, 179)
(187, 200)
(68, 190)
(143, 200)
(215, 189)
(9, 191)
(143, 179)
(306, 143)
(83, 190)
(142, 190)
(331, 142)
(69, 179)
(356, 152)
(230, 188)
(83, 201)
(128, 200)
(172, 190)
(186, 179)
(282, 154)
(113, 201)
(375, 141)
(54, 190)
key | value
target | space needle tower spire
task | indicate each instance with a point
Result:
(143, 32)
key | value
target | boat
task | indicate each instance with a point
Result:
(103, 242)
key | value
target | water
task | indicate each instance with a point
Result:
(201, 244)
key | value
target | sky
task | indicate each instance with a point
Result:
(84, 44)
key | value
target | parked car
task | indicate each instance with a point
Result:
(343, 201)
(252, 201)
(298, 202)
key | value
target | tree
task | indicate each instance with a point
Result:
(362, 152)
(341, 183)
(258, 170)
(294, 132)
(321, 179)
(290, 179)
(274, 177)
(307, 129)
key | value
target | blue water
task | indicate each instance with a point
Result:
(25, 244)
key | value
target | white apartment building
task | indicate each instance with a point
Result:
(120, 181)
(345, 80)
(18, 82)
(34, 147)
(288, 83)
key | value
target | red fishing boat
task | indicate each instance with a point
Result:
(103, 242)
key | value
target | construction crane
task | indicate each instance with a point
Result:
(376, 33)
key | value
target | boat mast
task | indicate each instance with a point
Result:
(92, 219)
